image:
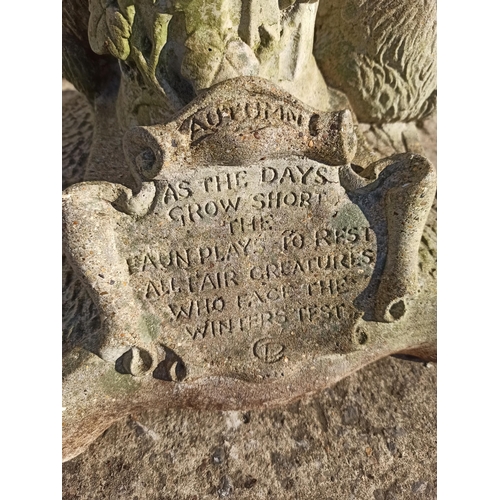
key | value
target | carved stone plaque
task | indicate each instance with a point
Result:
(250, 245)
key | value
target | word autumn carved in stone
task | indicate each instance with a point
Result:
(250, 244)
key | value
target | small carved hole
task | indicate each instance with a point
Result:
(180, 371)
(145, 160)
(361, 337)
(161, 372)
(314, 126)
(398, 309)
(171, 369)
(119, 366)
(134, 362)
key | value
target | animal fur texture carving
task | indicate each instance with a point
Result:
(382, 54)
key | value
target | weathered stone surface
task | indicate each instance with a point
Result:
(170, 51)
(207, 251)
(286, 271)
(77, 132)
(371, 436)
(312, 449)
(90, 73)
(229, 323)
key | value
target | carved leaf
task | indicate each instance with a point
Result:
(239, 60)
(110, 27)
(212, 60)
(203, 59)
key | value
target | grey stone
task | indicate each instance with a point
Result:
(419, 487)
(126, 343)
(213, 227)
(178, 464)
(382, 54)
(350, 416)
(126, 462)
(249, 251)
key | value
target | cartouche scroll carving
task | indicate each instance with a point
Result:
(240, 255)
(238, 122)
(280, 237)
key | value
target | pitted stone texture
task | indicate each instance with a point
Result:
(270, 257)
(230, 265)
(238, 122)
(371, 436)
(78, 129)
(115, 394)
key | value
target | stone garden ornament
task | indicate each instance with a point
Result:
(233, 241)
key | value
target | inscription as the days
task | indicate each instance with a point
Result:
(272, 188)
(234, 181)
(250, 271)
